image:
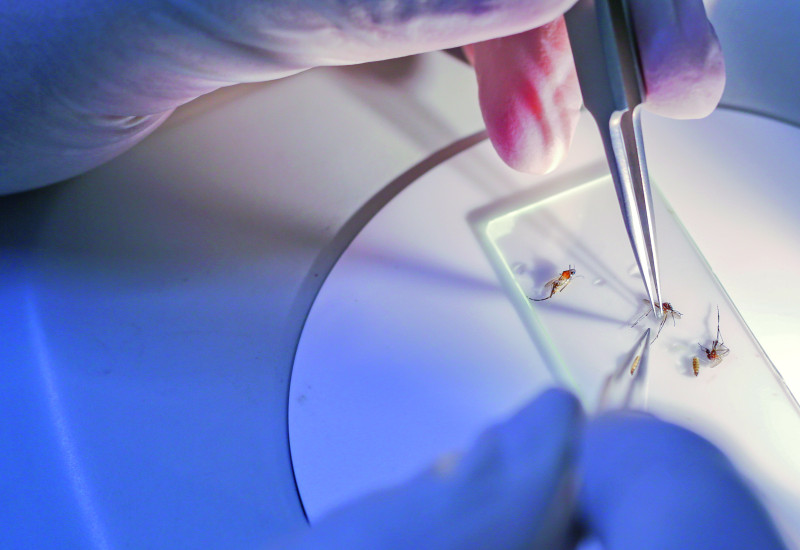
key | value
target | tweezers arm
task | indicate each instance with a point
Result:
(625, 153)
(606, 56)
(607, 62)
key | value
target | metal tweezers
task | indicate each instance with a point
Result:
(607, 61)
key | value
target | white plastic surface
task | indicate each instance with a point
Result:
(413, 346)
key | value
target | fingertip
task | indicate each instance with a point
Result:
(548, 426)
(527, 147)
(540, 437)
(561, 402)
(556, 408)
(691, 92)
(682, 61)
(529, 96)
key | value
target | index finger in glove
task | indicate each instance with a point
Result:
(529, 92)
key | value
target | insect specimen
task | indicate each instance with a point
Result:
(635, 364)
(557, 284)
(667, 310)
(718, 350)
(696, 365)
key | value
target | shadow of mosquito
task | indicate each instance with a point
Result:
(578, 312)
(625, 360)
(425, 269)
(711, 326)
(541, 272)
(621, 380)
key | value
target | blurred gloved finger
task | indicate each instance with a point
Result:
(523, 469)
(540, 436)
(651, 484)
(511, 490)
(682, 62)
(529, 92)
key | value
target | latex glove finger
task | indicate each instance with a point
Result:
(650, 484)
(507, 492)
(682, 61)
(529, 91)
(529, 95)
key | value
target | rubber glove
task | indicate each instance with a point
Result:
(529, 91)
(649, 484)
(513, 490)
(630, 480)
(84, 80)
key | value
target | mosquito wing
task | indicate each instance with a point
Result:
(560, 285)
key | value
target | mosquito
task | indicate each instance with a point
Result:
(557, 284)
(667, 310)
(718, 349)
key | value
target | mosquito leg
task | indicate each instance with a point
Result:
(565, 284)
(660, 328)
(551, 287)
(642, 316)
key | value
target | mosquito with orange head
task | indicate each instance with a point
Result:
(666, 311)
(718, 350)
(557, 284)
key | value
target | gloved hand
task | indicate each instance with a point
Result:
(649, 484)
(632, 481)
(83, 81)
(512, 491)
